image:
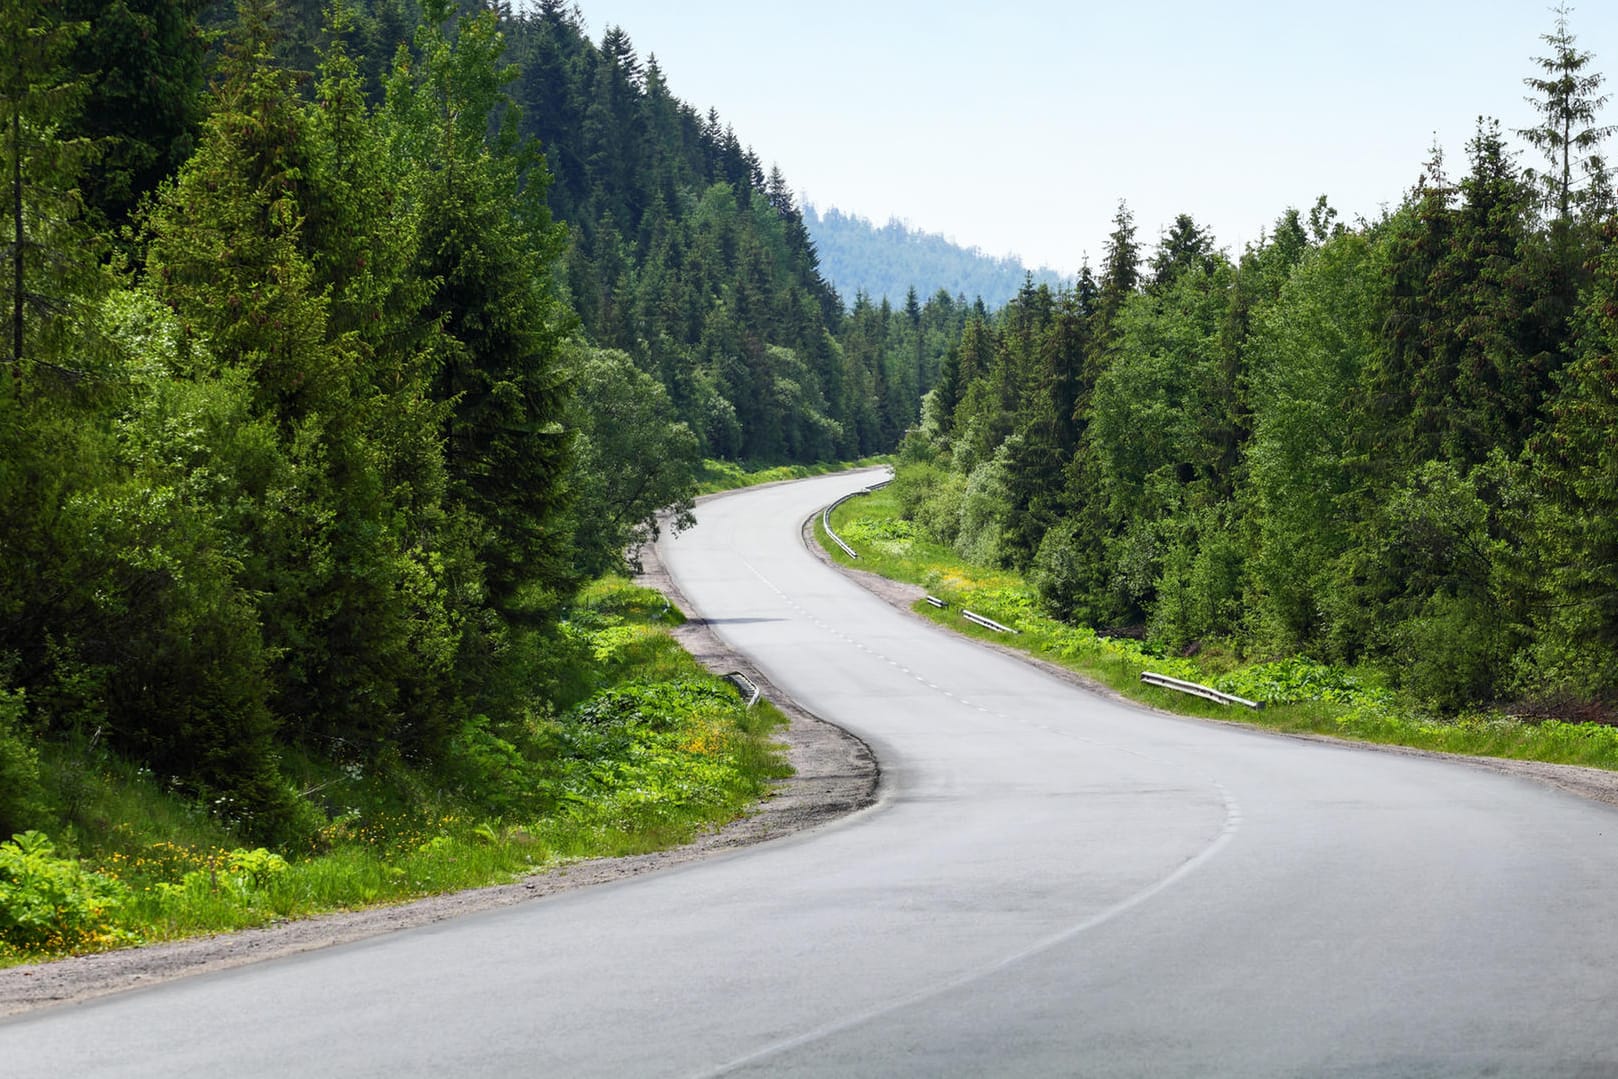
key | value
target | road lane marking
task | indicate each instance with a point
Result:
(1232, 824)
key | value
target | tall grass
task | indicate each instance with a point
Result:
(1299, 695)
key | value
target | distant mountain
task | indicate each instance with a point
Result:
(888, 261)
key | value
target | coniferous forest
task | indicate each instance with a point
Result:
(1391, 444)
(343, 345)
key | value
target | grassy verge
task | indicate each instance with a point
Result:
(728, 475)
(653, 751)
(1299, 695)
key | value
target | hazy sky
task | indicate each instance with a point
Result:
(1017, 126)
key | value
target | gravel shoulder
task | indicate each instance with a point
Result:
(835, 775)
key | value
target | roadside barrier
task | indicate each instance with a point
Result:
(1205, 692)
(745, 684)
(825, 520)
(825, 515)
(986, 623)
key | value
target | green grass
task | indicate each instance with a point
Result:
(650, 752)
(729, 475)
(1300, 696)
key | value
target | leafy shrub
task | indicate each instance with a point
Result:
(1454, 653)
(658, 705)
(1199, 590)
(1295, 679)
(985, 510)
(238, 880)
(1064, 570)
(495, 771)
(21, 796)
(51, 904)
(933, 500)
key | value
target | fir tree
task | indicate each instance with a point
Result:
(487, 238)
(1568, 100)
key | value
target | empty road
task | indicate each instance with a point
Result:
(1053, 884)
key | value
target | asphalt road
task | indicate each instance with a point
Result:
(1053, 884)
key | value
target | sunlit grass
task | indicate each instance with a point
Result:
(672, 752)
(1300, 696)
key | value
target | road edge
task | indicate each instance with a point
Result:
(1593, 784)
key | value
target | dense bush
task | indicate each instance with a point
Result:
(21, 795)
(51, 904)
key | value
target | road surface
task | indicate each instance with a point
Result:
(1052, 884)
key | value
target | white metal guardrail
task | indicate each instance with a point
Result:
(825, 515)
(1205, 692)
(746, 685)
(825, 521)
(935, 601)
(986, 623)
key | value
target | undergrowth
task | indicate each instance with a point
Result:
(646, 750)
(1299, 695)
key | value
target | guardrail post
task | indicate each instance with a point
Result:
(746, 685)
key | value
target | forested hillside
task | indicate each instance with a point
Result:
(342, 348)
(893, 260)
(1391, 444)
(685, 255)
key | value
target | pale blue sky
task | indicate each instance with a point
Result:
(1017, 126)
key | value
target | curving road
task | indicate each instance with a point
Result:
(1053, 884)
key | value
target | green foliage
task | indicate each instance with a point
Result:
(143, 62)
(48, 255)
(1568, 99)
(236, 877)
(1575, 646)
(484, 232)
(684, 255)
(632, 459)
(1300, 694)
(51, 904)
(1200, 589)
(1386, 444)
(662, 706)
(649, 750)
(1308, 353)
(1297, 679)
(21, 794)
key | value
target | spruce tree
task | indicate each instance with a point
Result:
(143, 63)
(486, 237)
(1568, 98)
(1120, 275)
